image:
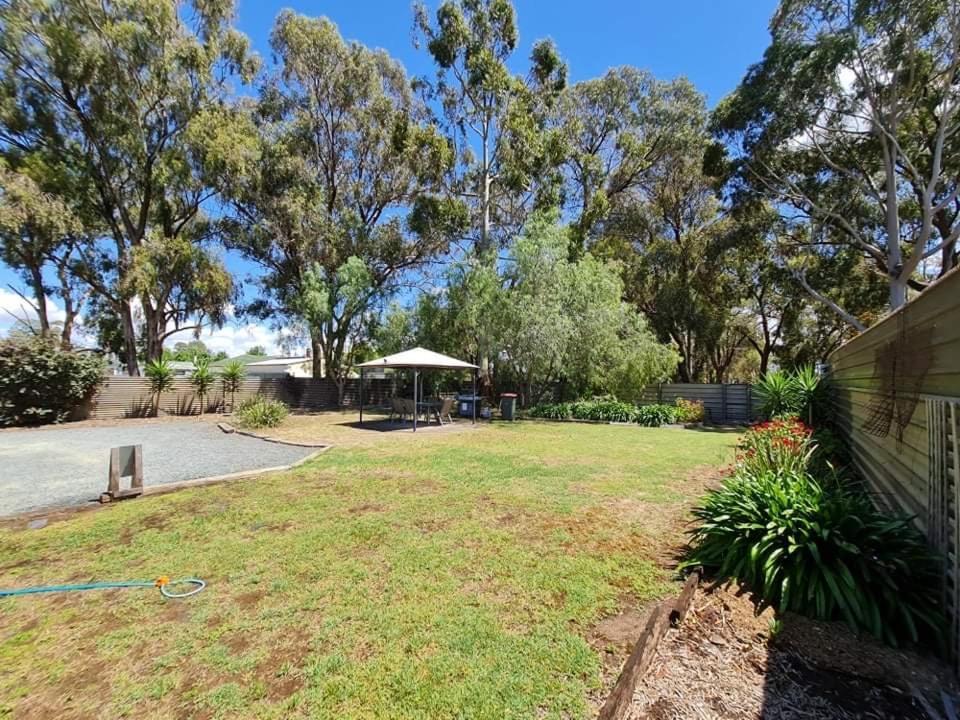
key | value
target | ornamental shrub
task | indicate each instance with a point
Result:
(551, 411)
(655, 415)
(42, 383)
(801, 392)
(606, 410)
(260, 412)
(783, 444)
(820, 548)
(690, 411)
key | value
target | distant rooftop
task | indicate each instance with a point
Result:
(244, 359)
(279, 361)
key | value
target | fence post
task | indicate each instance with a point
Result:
(659, 393)
(723, 401)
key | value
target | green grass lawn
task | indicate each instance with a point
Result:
(452, 578)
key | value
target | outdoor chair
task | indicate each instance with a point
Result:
(445, 410)
(397, 409)
(407, 407)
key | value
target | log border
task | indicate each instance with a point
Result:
(666, 614)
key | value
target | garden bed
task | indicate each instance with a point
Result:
(726, 661)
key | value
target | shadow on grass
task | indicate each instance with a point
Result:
(387, 426)
(718, 428)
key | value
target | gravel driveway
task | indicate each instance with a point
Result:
(54, 467)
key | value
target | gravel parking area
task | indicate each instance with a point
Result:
(56, 467)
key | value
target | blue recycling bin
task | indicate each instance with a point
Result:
(465, 405)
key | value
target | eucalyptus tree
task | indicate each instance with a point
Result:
(615, 129)
(672, 235)
(495, 120)
(330, 180)
(38, 237)
(119, 92)
(850, 124)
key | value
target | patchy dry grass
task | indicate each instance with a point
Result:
(456, 575)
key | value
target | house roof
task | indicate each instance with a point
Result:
(242, 359)
(418, 358)
(279, 362)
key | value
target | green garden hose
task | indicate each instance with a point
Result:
(162, 583)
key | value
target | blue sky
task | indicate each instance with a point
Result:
(711, 42)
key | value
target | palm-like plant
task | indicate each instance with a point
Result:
(811, 391)
(202, 379)
(160, 374)
(231, 379)
(777, 392)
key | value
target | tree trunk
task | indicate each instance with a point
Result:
(317, 355)
(129, 339)
(898, 291)
(764, 360)
(898, 284)
(40, 298)
(485, 181)
(153, 329)
(69, 307)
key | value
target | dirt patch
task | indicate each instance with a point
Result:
(22, 521)
(157, 521)
(366, 508)
(20, 563)
(281, 671)
(421, 487)
(726, 661)
(249, 599)
(176, 611)
(613, 637)
(90, 678)
(271, 527)
(428, 526)
(238, 643)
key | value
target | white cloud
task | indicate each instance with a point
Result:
(235, 338)
(14, 308)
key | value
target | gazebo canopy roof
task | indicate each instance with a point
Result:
(418, 358)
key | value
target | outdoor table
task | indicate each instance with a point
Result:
(430, 407)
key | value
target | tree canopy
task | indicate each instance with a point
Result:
(849, 123)
(569, 238)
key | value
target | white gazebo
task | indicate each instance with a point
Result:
(418, 359)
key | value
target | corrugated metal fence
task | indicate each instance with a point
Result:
(898, 400)
(121, 397)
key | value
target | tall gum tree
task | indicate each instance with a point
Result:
(850, 125)
(332, 187)
(494, 119)
(615, 130)
(38, 238)
(115, 89)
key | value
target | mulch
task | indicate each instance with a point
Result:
(727, 661)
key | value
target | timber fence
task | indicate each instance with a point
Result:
(897, 397)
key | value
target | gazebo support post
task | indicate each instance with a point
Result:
(473, 400)
(415, 408)
(361, 396)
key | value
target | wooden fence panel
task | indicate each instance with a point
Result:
(912, 467)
